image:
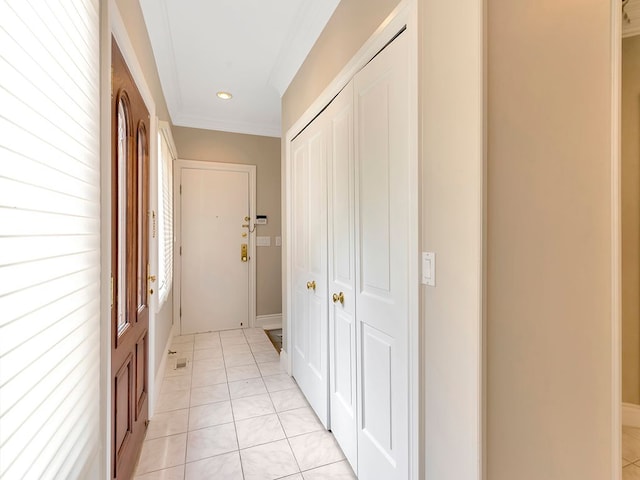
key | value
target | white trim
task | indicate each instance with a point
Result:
(159, 377)
(180, 164)
(226, 125)
(119, 32)
(414, 290)
(269, 322)
(616, 236)
(284, 362)
(165, 130)
(631, 415)
(405, 14)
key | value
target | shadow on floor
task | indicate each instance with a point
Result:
(275, 336)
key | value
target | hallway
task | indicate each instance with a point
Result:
(232, 413)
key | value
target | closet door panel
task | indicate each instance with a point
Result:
(317, 207)
(342, 274)
(310, 323)
(382, 200)
(300, 253)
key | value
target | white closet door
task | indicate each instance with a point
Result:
(382, 234)
(342, 274)
(310, 323)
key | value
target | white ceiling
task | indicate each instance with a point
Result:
(251, 48)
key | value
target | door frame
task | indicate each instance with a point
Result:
(616, 239)
(180, 164)
(405, 14)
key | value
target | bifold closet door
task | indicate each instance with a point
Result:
(382, 244)
(342, 274)
(310, 322)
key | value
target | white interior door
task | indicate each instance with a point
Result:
(215, 271)
(309, 327)
(342, 274)
(382, 235)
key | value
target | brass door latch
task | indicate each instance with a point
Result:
(243, 253)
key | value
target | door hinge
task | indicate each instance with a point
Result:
(111, 291)
(181, 312)
(152, 214)
(180, 249)
(180, 189)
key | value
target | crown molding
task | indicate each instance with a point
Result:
(223, 125)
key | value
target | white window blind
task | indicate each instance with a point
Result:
(166, 156)
(49, 238)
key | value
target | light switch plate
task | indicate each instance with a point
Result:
(429, 268)
(278, 241)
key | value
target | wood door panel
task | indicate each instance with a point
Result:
(141, 357)
(123, 416)
(129, 267)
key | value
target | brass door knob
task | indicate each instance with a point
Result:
(338, 297)
(311, 285)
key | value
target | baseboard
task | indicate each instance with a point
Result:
(160, 373)
(631, 415)
(284, 361)
(269, 322)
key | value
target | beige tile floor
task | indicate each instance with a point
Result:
(233, 414)
(630, 453)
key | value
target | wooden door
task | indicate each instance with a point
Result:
(382, 262)
(342, 274)
(310, 327)
(215, 231)
(129, 268)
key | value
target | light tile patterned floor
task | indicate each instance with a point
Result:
(233, 414)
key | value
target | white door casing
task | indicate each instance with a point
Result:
(310, 331)
(216, 288)
(342, 273)
(383, 234)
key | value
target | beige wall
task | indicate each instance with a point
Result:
(350, 26)
(631, 220)
(137, 31)
(549, 371)
(264, 152)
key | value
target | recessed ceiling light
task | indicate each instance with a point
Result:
(224, 95)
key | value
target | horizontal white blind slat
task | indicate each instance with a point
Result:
(49, 238)
(165, 214)
(38, 302)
